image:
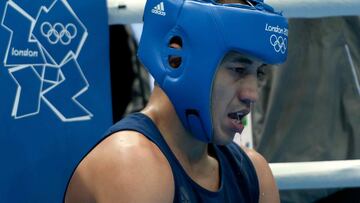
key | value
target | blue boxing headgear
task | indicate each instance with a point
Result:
(208, 31)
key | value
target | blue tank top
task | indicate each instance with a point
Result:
(239, 181)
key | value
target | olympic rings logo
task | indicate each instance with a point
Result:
(279, 43)
(58, 32)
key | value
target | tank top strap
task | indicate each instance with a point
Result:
(243, 166)
(141, 123)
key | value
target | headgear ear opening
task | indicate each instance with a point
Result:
(175, 60)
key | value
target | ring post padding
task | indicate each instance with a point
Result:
(55, 100)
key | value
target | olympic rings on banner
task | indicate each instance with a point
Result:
(279, 43)
(58, 32)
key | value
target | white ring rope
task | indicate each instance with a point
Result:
(316, 8)
(125, 11)
(316, 175)
(131, 11)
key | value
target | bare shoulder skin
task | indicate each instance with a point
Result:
(125, 167)
(269, 192)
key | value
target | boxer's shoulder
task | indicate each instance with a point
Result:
(125, 166)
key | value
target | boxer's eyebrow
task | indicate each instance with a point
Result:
(240, 59)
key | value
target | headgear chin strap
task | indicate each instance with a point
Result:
(208, 31)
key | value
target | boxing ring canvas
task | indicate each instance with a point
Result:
(55, 99)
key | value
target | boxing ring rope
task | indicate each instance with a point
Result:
(316, 175)
(295, 175)
(130, 11)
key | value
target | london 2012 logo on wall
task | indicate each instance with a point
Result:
(41, 57)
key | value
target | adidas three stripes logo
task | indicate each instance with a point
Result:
(159, 9)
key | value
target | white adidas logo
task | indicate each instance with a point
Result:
(159, 9)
